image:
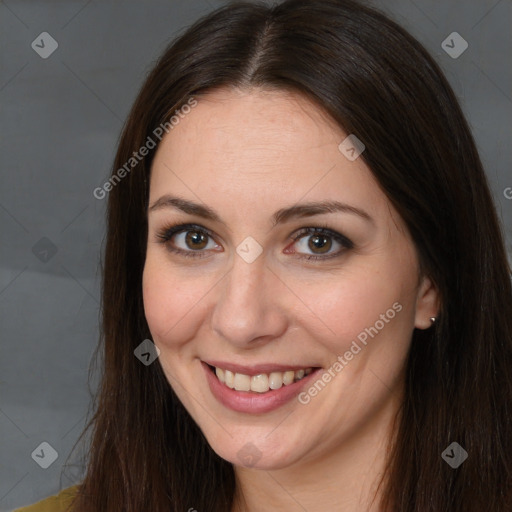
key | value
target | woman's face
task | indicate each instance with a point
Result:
(247, 170)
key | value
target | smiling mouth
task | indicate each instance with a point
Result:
(260, 383)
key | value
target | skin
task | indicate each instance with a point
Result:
(246, 154)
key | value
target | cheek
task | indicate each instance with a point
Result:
(365, 306)
(171, 304)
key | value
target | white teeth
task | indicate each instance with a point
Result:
(275, 380)
(260, 383)
(229, 378)
(220, 374)
(242, 382)
(288, 377)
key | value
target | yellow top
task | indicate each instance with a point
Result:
(58, 503)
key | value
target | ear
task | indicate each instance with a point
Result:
(427, 304)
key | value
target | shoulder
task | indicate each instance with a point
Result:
(58, 503)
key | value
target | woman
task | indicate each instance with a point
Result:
(299, 221)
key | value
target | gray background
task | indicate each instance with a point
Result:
(61, 119)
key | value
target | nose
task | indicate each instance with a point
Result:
(250, 304)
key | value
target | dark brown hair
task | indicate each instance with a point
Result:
(377, 82)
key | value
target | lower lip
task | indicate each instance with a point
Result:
(251, 402)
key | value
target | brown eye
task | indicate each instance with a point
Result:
(196, 240)
(319, 243)
(315, 243)
(187, 240)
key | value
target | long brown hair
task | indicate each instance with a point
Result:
(379, 83)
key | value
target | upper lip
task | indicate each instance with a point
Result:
(257, 368)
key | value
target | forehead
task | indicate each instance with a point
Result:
(230, 122)
(258, 147)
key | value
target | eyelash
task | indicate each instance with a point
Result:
(168, 232)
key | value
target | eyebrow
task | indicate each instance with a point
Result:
(280, 216)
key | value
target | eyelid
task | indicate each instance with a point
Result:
(339, 238)
(168, 232)
(323, 230)
(174, 229)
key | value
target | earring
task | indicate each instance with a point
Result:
(432, 320)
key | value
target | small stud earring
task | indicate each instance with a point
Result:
(433, 320)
